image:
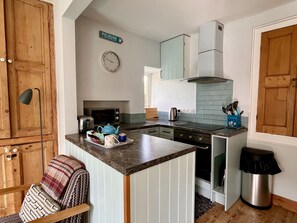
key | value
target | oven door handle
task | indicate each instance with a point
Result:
(201, 147)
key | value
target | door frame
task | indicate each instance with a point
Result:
(254, 84)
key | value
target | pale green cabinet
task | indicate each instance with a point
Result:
(175, 58)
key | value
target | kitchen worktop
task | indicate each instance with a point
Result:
(189, 126)
(146, 151)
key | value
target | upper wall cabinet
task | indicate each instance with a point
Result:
(175, 58)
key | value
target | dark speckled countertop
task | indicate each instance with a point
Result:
(146, 151)
(189, 126)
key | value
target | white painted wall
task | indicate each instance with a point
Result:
(94, 83)
(238, 45)
(65, 13)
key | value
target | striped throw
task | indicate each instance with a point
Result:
(58, 173)
(37, 204)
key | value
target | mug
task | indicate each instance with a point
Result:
(122, 137)
(110, 141)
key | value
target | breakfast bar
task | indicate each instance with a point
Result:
(150, 180)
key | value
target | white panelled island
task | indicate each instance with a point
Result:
(149, 181)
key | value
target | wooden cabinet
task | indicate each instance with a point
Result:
(166, 133)
(21, 164)
(277, 107)
(27, 64)
(26, 61)
(225, 162)
(175, 57)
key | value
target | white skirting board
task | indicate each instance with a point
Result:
(202, 187)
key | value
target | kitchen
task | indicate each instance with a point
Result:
(237, 44)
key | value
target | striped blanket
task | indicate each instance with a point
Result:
(58, 173)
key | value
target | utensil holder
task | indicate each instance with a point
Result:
(233, 121)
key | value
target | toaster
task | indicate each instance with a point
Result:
(85, 123)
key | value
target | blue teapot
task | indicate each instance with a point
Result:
(108, 129)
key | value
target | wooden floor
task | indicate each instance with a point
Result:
(241, 213)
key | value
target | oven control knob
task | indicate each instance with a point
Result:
(190, 137)
(181, 135)
(117, 118)
(200, 138)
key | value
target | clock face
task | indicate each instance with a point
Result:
(110, 61)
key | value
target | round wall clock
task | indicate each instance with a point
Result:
(110, 61)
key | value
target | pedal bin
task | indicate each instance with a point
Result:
(257, 167)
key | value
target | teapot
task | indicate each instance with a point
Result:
(108, 129)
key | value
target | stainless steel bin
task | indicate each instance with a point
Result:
(257, 167)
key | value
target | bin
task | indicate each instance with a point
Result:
(257, 167)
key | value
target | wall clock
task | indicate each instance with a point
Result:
(110, 61)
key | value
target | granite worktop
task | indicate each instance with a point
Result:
(146, 151)
(182, 125)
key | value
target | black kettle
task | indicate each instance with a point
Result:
(172, 115)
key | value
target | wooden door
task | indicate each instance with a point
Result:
(277, 82)
(28, 47)
(24, 167)
(9, 177)
(4, 107)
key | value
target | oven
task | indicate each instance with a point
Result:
(203, 152)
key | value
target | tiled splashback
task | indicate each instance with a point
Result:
(209, 101)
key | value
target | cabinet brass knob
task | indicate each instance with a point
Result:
(2, 59)
(6, 150)
(9, 60)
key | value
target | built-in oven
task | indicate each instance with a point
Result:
(203, 152)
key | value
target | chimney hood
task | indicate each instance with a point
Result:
(210, 54)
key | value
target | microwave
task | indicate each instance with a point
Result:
(103, 116)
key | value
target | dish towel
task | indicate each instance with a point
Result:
(58, 174)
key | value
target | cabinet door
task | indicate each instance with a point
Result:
(9, 177)
(153, 131)
(28, 46)
(172, 58)
(24, 167)
(166, 133)
(4, 107)
(277, 82)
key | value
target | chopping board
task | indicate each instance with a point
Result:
(151, 113)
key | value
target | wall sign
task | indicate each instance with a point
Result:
(110, 37)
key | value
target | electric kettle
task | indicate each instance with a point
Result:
(172, 115)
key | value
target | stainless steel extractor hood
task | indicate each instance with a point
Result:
(210, 54)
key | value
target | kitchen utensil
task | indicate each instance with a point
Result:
(108, 129)
(122, 137)
(172, 116)
(110, 141)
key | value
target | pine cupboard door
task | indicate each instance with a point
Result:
(28, 47)
(4, 106)
(29, 156)
(277, 82)
(9, 177)
(21, 164)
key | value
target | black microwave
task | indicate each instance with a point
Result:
(103, 116)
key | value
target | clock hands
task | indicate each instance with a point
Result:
(109, 60)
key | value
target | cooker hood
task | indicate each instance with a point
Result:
(210, 54)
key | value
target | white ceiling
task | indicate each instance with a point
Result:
(162, 19)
